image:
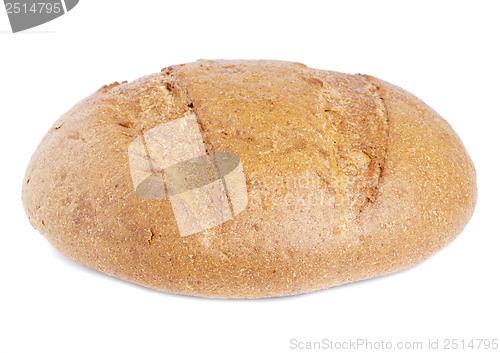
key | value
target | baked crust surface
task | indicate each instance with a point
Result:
(348, 177)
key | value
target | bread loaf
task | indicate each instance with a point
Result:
(249, 179)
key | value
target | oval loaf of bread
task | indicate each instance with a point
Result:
(249, 179)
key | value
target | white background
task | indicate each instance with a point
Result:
(445, 52)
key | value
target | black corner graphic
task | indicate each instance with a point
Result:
(70, 4)
(25, 14)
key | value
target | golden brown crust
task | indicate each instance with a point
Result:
(348, 177)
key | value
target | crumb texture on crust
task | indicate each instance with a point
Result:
(293, 115)
(348, 177)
